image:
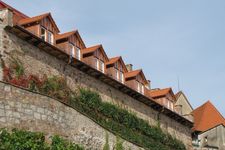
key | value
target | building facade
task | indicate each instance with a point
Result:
(37, 43)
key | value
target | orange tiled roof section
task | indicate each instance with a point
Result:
(68, 34)
(207, 117)
(134, 73)
(93, 49)
(38, 18)
(113, 60)
(116, 59)
(65, 35)
(159, 92)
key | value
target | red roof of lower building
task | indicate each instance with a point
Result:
(207, 117)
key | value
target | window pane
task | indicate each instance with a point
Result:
(71, 48)
(77, 53)
(122, 78)
(96, 63)
(43, 34)
(50, 37)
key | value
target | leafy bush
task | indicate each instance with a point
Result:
(61, 144)
(26, 140)
(22, 140)
(119, 144)
(123, 123)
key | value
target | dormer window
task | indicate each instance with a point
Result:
(119, 73)
(43, 33)
(43, 26)
(77, 53)
(50, 38)
(71, 48)
(47, 35)
(140, 87)
(99, 65)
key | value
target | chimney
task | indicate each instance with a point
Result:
(129, 67)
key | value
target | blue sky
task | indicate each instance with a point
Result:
(172, 39)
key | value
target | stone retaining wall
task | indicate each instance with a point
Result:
(30, 111)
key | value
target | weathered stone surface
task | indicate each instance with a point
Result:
(57, 119)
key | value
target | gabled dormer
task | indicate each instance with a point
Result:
(71, 43)
(96, 57)
(164, 97)
(116, 68)
(136, 80)
(42, 26)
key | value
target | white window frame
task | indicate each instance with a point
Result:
(50, 37)
(117, 74)
(122, 78)
(71, 48)
(101, 66)
(96, 63)
(78, 53)
(43, 35)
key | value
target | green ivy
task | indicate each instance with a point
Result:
(26, 140)
(106, 146)
(119, 144)
(62, 144)
(123, 123)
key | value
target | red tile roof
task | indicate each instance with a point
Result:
(38, 18)
(134, 73)
(65, 35)
(159, 92)
(90, 49)
(207, 117)
(113, 60)
(116, 59)
(93, 49)
(68, 34)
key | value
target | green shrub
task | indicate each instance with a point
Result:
(22, 140)
(26, 140)
(119, 144)
(106, 146)
(61, 144)
(123, 123)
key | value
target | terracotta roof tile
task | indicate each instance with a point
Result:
(90, 49)
(207, 117)
(65, 35)
(132, 74)
(113, 60)
(93, 49)
(33, 19)
(37, 18)
(159, 92)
